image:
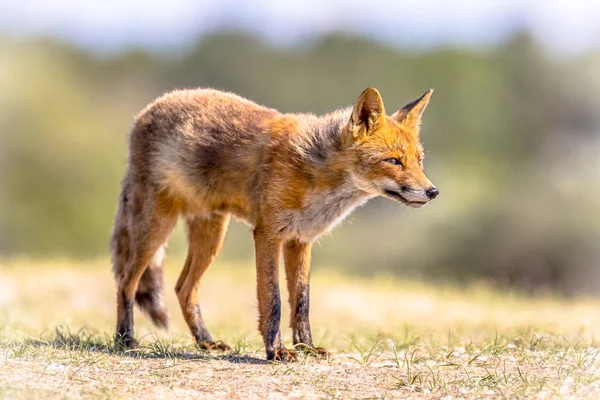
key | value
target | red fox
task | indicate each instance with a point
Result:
(207, 155)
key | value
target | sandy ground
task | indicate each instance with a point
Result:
(388, 339)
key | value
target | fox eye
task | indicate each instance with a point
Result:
(394, 161)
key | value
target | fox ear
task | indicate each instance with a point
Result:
(368, 112)
(410, 114)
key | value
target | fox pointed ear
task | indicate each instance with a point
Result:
(368, 112)
(410, 114)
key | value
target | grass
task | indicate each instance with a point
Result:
(389, 339)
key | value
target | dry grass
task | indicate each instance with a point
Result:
(390, 339)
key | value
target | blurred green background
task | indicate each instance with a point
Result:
(512, 137)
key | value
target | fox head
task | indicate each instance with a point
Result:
(386, 153)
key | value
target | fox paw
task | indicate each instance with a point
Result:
(210, 345)
(125, 342)
(319, 352)
(282, 354)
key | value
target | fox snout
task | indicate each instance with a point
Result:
(419, 194)
(412, 196)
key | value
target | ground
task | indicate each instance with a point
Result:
(388, 338)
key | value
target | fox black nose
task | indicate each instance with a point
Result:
(432, 192)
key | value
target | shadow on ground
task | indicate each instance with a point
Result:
(87, 340)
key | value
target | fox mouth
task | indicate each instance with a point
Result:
(398, 197)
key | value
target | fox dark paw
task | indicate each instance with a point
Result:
(282, 354)
(125, 342)
(319, 352)
(210, 345)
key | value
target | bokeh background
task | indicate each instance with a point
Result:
(512, 133)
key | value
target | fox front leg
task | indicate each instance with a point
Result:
(268, 250)
(297, 255)
(297, 268)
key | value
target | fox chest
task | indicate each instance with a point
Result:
(321, 211)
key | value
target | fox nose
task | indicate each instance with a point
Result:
(432, 192)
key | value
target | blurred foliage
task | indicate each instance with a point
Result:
(512, 138)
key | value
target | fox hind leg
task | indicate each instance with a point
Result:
(150, 223)
(205, 236)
